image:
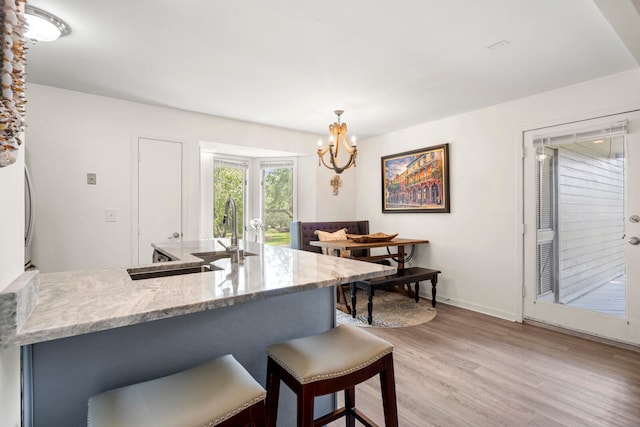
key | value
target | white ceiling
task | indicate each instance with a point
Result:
(290, 63)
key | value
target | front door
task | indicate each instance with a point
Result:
(159, 194)
(582, 221)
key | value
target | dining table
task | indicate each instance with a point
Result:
(400, 256)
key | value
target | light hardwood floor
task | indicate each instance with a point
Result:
(468, 369)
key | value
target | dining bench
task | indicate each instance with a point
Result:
(403, 277)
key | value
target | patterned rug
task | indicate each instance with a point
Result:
(390, 310)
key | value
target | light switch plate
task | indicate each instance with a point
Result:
(111, 215)
(92, 179)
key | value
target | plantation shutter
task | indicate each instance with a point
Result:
(546, 255)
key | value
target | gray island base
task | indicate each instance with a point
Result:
(68, 371)
(74, 348)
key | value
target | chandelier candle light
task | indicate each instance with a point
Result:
(338, 136)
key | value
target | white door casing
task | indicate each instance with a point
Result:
(159, 201)
(620, 328)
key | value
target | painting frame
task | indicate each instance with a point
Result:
(416, 181)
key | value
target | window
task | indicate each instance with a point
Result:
(277, 200)
(229, 180)
(221, 178)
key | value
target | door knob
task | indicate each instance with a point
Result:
(174, 235)
(634, 241)
(634, 218)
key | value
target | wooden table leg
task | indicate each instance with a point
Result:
(370, 292)
(352, 285)
(400, 257)
(434, 282)
(417, 291)
(344, 298)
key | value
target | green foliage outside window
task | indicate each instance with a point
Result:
(278, 205)
(227, 182)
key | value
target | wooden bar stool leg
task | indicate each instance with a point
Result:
(257, 412)
(350, 406)
(305, 406)
(273, 393)
(388, 387)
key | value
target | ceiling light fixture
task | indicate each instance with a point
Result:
(338, 136)
(43, 26)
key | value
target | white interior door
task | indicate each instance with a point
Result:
(159, 194)
(582, 268)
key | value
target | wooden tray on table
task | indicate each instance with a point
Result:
(371, 238)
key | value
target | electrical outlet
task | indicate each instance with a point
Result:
(111, 215)
(92, 179)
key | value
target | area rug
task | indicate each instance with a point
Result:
(390, 310)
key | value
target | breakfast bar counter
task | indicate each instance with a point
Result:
(79, 302)
(85, 332)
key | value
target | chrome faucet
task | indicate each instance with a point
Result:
(233, 248)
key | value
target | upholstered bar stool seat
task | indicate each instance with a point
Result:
(333, 361)
(217, 393)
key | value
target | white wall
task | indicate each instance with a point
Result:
(477, 246)
(73, 133)
(11, 266)
(307, 187)
(330, 207)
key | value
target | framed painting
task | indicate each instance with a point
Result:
(416, 181)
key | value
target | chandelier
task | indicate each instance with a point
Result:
(338, 136)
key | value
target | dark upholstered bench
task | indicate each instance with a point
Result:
(304, 232)
(402, 277)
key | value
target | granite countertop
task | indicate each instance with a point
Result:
(41, 307)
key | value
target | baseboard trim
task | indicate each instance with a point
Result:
(475, 307)
(596, 338)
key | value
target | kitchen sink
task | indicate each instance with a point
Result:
(209, 257)
(139, 273)
(150, 272)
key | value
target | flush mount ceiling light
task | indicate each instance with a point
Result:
(43, 26)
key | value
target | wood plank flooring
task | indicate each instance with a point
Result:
(468, 369)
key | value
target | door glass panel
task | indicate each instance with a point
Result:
(277, 204)
(228, 181)
(581, 226)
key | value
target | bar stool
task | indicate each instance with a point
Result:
(330, 362)
(217, 393)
